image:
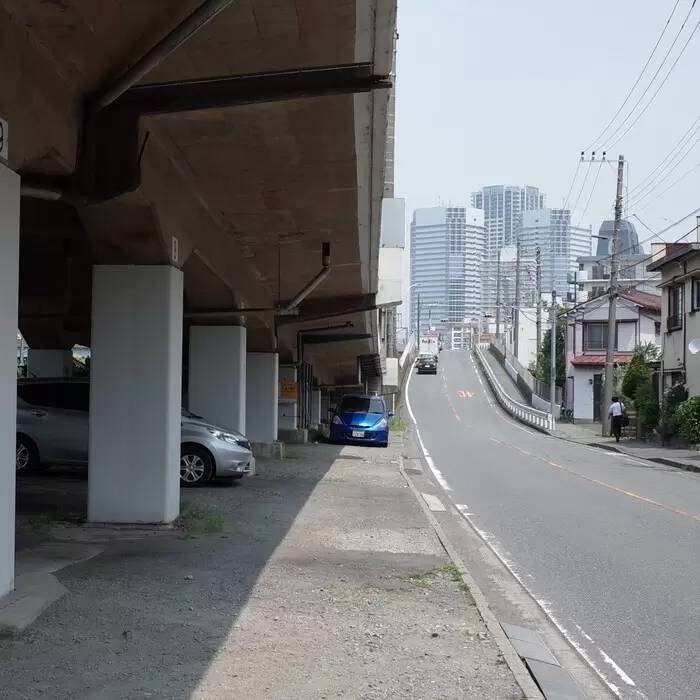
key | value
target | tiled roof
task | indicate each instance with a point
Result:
(644, 299)
(599, 360)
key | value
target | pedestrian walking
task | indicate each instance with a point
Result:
(616, 414)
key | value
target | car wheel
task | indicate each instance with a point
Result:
(196, 466)
(27, 456)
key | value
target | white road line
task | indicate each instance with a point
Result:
(436, 472)
(617, 669)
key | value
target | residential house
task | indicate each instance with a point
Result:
(638, 321)
(679, 266)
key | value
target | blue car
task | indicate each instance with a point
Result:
(361, 419)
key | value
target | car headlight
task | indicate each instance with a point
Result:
(337, 421)
(381, 424)
(226, 437)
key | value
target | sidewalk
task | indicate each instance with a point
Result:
(319, 578)
(590, 434)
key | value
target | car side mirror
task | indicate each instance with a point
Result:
(390, 414)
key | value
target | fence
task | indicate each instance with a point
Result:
(527, 414)
(531, 388)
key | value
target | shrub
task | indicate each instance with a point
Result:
(636, 375)
(688, 417)
(673, 398)
(647, 406)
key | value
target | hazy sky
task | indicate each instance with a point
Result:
(510, 92)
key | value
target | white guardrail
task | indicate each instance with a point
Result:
(527, 414)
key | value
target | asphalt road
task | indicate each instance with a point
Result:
(609, 545)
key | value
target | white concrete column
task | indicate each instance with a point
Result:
(288, 406)
(217, 375)
(315, 407)
(135, 394)
(9, 276)
(262, 394)
(49, 363)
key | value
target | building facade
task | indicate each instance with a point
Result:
(503, 206)
(638, 318)
(679, 267)
(447, 251)
(560, 244)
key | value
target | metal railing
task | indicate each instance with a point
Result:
(538, 419)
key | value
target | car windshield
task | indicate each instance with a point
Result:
(361, 404)
(427, 356)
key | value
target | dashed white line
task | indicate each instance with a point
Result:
(625, 678)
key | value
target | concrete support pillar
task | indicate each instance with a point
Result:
(49, 363)
(262, 395)
(315, 407)
(9, 276)
(217, 375)
(288, 407)
(135, 394)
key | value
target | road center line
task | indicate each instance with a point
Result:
(631, 494)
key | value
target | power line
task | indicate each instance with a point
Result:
(590, 196)
(671, 186)
(639, 77)
(650, 187)
(663, 82)
(694, 127)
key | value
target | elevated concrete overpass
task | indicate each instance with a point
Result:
(193, 189)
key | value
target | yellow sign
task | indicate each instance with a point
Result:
(288, 391)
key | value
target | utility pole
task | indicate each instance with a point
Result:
(553, 356)
(612, 299)
(516, 311)
(418, 323)
(498, 296)
(538, 301)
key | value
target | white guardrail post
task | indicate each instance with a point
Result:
(539, 419)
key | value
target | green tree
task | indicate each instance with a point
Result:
(646, 403)
(637, 373)
(544, 353)
(651, 352)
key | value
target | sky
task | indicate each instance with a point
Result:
(511, 92)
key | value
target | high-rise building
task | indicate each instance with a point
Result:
(447, 249)
(503, 206)
(629, 240)
(560, 243)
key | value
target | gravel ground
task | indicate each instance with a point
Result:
(318, 578)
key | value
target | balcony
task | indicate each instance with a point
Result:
(674, 322)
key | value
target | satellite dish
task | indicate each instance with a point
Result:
(694, 346)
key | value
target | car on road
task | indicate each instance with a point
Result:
(426, 363)
(53, 428)
(361, 418)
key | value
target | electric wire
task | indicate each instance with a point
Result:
(653, 97)
(639, 77)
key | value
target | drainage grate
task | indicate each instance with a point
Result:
(555, 682)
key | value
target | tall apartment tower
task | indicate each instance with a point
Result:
(447, 250)
(560, 243)
(503, 206)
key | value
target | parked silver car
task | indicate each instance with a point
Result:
(53, 428)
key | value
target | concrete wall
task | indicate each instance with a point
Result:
(262, 393)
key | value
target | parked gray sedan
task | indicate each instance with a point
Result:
(53, 428)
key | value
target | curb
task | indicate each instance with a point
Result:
(522, 677)
(695, 468)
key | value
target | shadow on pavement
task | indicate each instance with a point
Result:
(147, 617)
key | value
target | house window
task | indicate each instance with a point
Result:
(595, 336)
(657, 328)
(696, 295)
(675, 308)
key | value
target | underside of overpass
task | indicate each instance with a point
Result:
(228, 153)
